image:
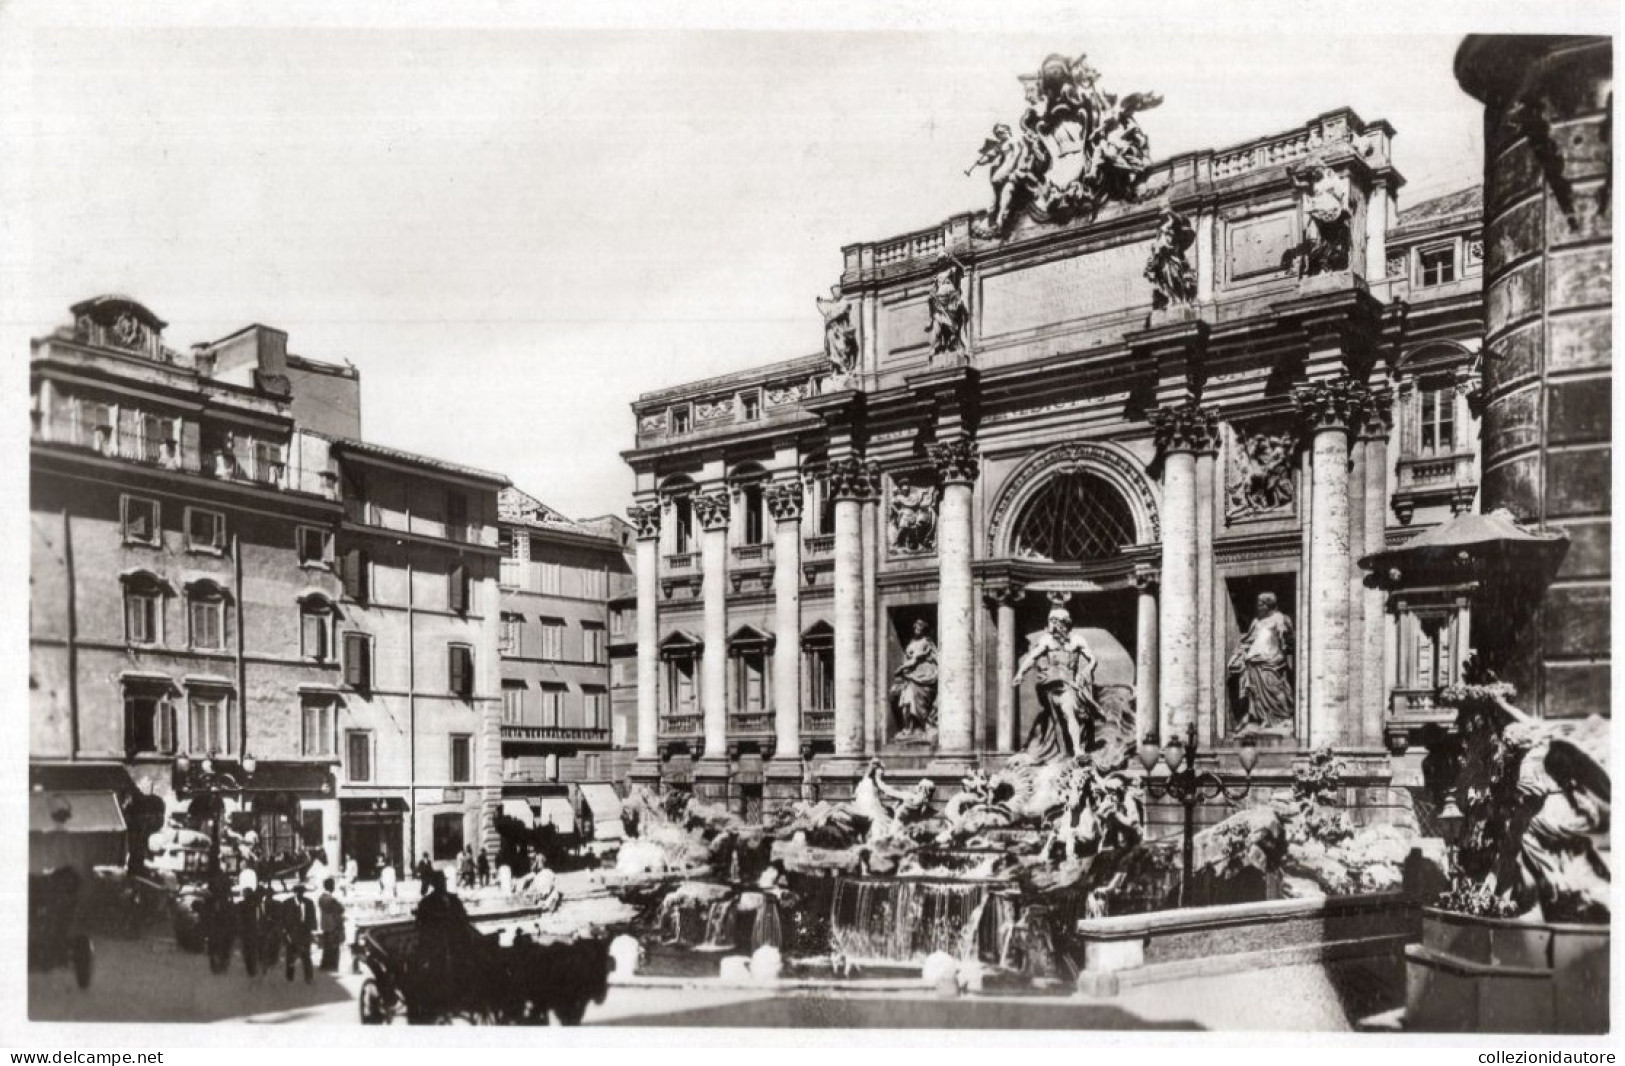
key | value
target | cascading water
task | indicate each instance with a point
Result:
(905, 919)
(719, 925)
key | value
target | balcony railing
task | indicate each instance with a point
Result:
(752, 723)
(817, 723)
(822, 544)
(753, 554)
(565, 733)
(682, 561)
(681, 725)
(1436, 471)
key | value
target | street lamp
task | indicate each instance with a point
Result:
(1190, 787)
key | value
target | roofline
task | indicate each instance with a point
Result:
(380, 451)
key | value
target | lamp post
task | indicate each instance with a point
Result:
(1190, 787)
(211, 782)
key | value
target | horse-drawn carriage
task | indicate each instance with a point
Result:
(450, 971)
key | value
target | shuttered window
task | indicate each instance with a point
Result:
(358, 661)
(457, 589)
(353, 574)
(460, 670)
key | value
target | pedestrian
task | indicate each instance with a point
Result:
(318, 869)
(425, 872)
(330, 915)
(352, 872)
(483, 866)
(386, 880)
(298, 926)
(465, 869)
(248, 918)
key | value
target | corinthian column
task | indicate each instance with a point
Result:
(646, 519)
(1331, 410)
(957, 462)
(1145, 654)
(784, 504)
(851, 481)
(1374, 439)
(1003, 600)
(1182, 433)
(711, 511)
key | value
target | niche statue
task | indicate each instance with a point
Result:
(914, 686)
(1262, 669)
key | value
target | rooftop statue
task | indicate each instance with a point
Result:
(1076, 148)
(1329, 210)
(949, 314)
(840, 336)
(1168, 269)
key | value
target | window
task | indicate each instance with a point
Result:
(358, 661)
(456, 516)
(1436, 407)
(553, 703)
(553, 638)
(750, 679)
(594, 584)
(1074, 517)
(205, 530)
(462, 759)
(457, 589)
(206, 614)
(140, 520)
(595, 702)
(143, 612)
(551, 576)
(592, 766)
(753, 530)
(1438, 266)
(510, 638)
(513, 703)
(594, 648)
(682, 525)
(316, 728)
(356, 575)
(448, 835)
(313, 631)
(818, 663)
(460, 670)
(149, 721)
(358, 755)
(268, 462)
(750, 405)
(154, 439)
(315, 546)
(617, 623)
(681, 687)
(680, 419)
(210, 724)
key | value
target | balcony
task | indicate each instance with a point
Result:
(1426, 480)
(168, 453)
(575, 736)
(822, 544)
(752, 724)
(749, 555)
(683, 561)
(682, 725)
(818, 723)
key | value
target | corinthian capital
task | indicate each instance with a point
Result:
(1378, 416)
(784, 500)
(711, 509)
(957, 460)
(853, 478)
(646, 517)
(1340, 403)
(1188, 427)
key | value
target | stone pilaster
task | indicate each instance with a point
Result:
(851, 481)
(784, 499)
(1205, 493)
(711, 512)
(1145, 653)
(1373, 439)
(646, 520)
(872, 699)
(1182, 432)
(1331, 411)
(957, 460)
(1003, 600)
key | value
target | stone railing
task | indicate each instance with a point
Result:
(822, 544)
(682, 561)
(753, 554)
(913, 246)
(818, 723)
(1431, 472)
(681, 725)
(567, 733)
(755, 723)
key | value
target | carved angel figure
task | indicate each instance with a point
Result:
(1168, 269)
(1262, 470)
(1015, 171)
(949, 314)
(1120, 150)
(912, 517)
(1326, 204)
(840, 336)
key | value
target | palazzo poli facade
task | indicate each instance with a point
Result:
(1145, 393)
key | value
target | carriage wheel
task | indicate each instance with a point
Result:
(371, 1001)
(572, 1012)
(84, 961)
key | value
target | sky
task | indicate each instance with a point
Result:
(514, 232)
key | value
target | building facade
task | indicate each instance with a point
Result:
(1147, 402)
(213, 578)
(559, 731)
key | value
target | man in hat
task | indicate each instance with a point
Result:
(298, 928)
(331, 913)
(1066, 669)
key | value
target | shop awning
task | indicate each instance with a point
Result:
(80, 777)
(85, 812)
(556, 810)
(605, 805)
(520, 811)
(291, 777)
